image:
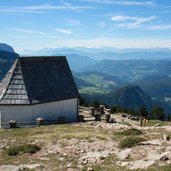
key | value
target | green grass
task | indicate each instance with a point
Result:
(129, 132)
(92, 90)
(129, 142)
(24, 148)
(154, 122)
(99, 85)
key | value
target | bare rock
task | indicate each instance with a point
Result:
(102, 158)
(85, 161)
(155, 142)
(124, 154)
(157, 125)
(31, 166)
(140, 164)
(166, 137)
(164, 158)
(10, 168)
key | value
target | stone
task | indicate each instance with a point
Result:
(157, 125)
(156, 142)
(69, 165)
(140, 164)
(10, 168)
(124, 154)
(166, 137)
(164, 158)
(85, 161)
(30, 166)
(102, 158)
(90, 169)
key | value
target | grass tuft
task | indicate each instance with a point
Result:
(130, 132)
(24, 148)
(129, 142)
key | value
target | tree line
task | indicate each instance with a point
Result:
(156, 112)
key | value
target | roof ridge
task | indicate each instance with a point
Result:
(24, 82)
(10, 73)
(39, 56)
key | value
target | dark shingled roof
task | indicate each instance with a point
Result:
(33, 80)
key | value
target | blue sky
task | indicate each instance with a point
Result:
(37, 24)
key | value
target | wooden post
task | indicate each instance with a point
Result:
(101, 109)
(98, 117)
(40, 121)
(81, 118)
(91, 111)
(108, 118)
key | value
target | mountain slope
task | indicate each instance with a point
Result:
(77, 62)
(131, 97)
(132, 70)
(156, 86)
(5, 47)
(96, 83)
(6, 60)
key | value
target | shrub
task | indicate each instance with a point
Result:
(130, 142)
(12, 151)
(129, 132)
(24, 148)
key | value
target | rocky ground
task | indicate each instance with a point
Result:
(87, 146)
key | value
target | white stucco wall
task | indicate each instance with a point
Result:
(48, 111)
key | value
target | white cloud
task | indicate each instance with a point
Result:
(131, 22)
(121, 2)
(69, 6)
(64, 31)
(121, 18)
(43, 8)
(160, 27)
(27, 31)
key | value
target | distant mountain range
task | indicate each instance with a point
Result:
(107, 53)
(129, 78)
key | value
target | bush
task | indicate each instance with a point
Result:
(12, 151)
(24, 148)
(130, 142)
(129, 132)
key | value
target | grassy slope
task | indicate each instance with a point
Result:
(50, 134)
